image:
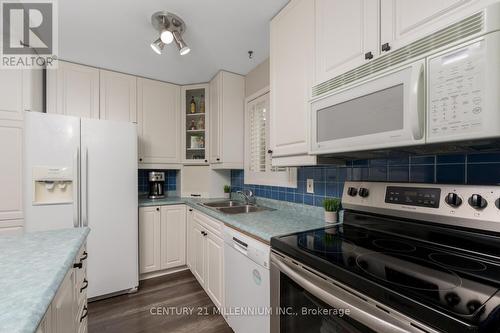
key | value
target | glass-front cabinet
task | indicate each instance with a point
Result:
(195, 113)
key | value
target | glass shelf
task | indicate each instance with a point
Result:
(195, 118)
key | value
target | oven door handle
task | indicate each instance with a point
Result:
(360, 311)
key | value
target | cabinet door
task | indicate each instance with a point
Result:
(404, 21)
(214, 283)
(345, 32)
(73, 90)
(215, 114)
(158, 122)
(118, 97)
(190, 239)
(11, 152)
(199, 253)
(291, 71)
(11, 86)
(64, 307)
(173, 236)
(149, 239)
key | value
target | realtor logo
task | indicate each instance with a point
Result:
(29, 34)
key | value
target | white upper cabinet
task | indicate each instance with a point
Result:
(73, 90)
(11, 150)
(118, 96)
(158, 122)
(404, 21)
(291, 69)
(11, 87)
(347, 35)
(227, 116)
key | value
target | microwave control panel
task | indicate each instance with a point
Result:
(456, 87)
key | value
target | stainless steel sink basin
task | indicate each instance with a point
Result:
(245, 209)
(225, 203)
(233, 207)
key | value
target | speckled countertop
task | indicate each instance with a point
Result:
(286, 217)
(32, 267)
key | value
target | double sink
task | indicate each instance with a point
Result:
(234, 207)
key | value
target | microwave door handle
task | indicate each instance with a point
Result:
(360, 311)
(417, 100)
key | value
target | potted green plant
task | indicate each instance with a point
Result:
(332, 207)
(227, 191)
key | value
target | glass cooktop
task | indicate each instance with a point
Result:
(422, 270)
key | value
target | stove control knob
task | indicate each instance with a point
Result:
(472, 306)
(478, 202)
(497, 203)
(453, 200)
(363, 192)
(452, 299)
(352, 191)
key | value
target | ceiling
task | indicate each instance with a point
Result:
(116, 34)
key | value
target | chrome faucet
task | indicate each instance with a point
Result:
(248, 195)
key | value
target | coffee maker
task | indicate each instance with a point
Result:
(156, 185)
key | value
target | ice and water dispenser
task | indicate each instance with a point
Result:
(52, 185)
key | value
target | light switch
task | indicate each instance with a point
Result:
(310, 186)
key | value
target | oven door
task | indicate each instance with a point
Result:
(305, 301)
(386, 111)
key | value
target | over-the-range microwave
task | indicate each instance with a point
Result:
(450, 95)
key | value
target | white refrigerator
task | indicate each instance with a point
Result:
(83, 172)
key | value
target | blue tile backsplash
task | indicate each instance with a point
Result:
(170, 180)
(472, 168)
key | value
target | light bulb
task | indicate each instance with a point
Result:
(166, 36)
(185, 50)
(157, 46)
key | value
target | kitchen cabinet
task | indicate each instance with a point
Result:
(149, 239)
(195, 119)
(227, 115)
(118, 96)
(214, 249)
(190, 238)
(291, 72)
(22, 90)
(64, 306)
(158, 123)
(202, 181)
(162, 238)
(67, 312)
(208, 255)
(347, 35)
(73, 90)
(405, 21)
(173, 236)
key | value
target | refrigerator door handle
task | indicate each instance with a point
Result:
(76, 189)
(85, 192)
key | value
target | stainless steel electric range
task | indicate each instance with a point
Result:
(408, 258)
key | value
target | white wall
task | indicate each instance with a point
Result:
(257, 78)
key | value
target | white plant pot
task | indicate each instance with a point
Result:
(331, 217)
(227, 195)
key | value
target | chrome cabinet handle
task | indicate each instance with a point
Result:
(336, 297)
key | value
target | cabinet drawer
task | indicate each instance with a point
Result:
(80, 265)
(211, 224)
(81, 320)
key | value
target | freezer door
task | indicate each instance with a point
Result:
(109, 205)
(51, 141)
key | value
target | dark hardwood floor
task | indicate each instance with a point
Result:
(132, 313)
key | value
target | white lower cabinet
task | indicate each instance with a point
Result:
(162, 238)
(68, 311)
(206, 248)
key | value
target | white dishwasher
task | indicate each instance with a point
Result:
(246, 276)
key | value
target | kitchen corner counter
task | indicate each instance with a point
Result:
(32, 267)
(286, 218)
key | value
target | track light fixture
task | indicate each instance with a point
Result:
(170, 28)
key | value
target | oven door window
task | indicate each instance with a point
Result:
(306, 313)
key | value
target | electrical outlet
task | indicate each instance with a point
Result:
(310, 186)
